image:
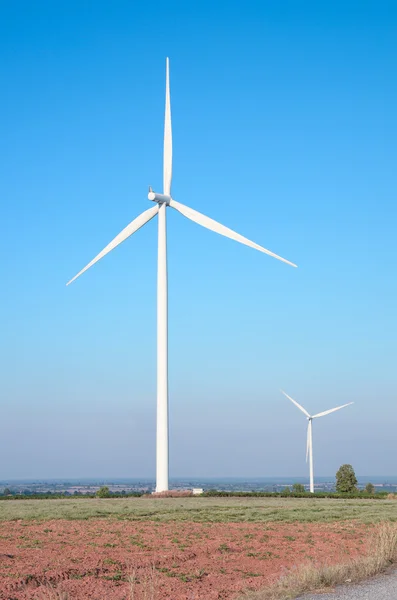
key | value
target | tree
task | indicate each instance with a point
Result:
(346, 480)
(7, 492)
(103, 492)
(370, 489)
(286, 491)
(298, 488)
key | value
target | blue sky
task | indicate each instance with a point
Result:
(284, 128)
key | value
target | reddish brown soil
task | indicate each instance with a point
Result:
(83, 560)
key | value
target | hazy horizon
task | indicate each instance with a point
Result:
(319, 478)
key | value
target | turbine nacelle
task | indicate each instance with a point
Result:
(159, 198)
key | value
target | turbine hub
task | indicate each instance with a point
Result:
(159, 198)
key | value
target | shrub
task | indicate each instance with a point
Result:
(370, 489)
(298, 488)
(316, 495)
(103, 492)
(346, 480)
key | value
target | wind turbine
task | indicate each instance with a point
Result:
(162, 202)
(309, 443)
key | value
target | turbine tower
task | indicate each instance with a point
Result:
(309, 443)
(162, 202)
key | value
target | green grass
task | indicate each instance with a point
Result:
(203, 509)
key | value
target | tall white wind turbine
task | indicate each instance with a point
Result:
(162, 202)
(309, 443)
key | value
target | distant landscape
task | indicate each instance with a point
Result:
(128, 485)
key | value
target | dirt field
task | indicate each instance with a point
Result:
(188, 549)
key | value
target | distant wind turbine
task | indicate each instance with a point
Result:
(309, 443)
(163, 201)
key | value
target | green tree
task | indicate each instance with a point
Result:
(298, 488)
(286, 491)
(370, 489)
(103, 492)
(7, 492)
(346, 480)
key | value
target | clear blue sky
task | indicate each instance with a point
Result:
(285, 127)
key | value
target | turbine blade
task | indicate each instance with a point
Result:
(208, 223)
(122, 236)
(327, 412)
(296, 404)
(308, 441)
(167, 164)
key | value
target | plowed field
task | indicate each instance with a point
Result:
(102, 559)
